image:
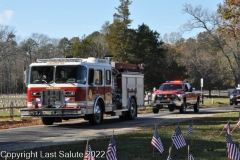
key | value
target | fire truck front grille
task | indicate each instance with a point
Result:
(49, 97)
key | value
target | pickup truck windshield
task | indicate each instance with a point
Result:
(165, 87)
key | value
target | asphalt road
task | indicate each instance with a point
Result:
(75, 131)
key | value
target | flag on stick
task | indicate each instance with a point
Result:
(112, 150)
(88, 153)
(227, 127)
(156, 141)
(190, 129)
(232, 150)
(177, 138)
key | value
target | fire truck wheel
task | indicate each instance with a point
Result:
(183, 108)
(48, 120)
(132, 112)
(97, 116)
(196, 106)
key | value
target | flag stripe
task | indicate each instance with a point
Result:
(156, 141)
(232, 150)
(178, 139)
(112, 150)
(190, 129)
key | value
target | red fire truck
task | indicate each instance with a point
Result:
(67, 88)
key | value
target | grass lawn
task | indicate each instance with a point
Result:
(205, 142)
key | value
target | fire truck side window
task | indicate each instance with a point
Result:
(98, 77)
(108, 77)
(90, 76)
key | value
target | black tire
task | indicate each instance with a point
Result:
(48, 120)
(196, 106)
(171, 108)
(132, 112)
(183, 108)
(97, 116)
(155, 110)
(236, 103)
(231, 103)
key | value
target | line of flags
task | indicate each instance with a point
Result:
(177, 139)
(111, 153)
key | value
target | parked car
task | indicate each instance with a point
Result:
(235, 96)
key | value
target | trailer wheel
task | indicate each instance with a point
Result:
(155, 110)
(48, 120)
(132, 112)
(97, 116)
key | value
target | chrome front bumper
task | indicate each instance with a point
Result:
(51, 112)
(165, 102)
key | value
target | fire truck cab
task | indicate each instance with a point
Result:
(67, 88)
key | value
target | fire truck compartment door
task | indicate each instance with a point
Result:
(133, 85)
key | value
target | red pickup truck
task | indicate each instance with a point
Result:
(175, 95)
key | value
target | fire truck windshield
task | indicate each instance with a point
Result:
(58, 74)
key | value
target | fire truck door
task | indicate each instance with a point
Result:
(95, 82)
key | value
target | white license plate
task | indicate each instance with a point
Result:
(47, 112)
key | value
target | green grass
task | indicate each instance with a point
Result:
(216, 102)
(205, 142)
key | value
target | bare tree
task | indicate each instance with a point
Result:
(211, 22)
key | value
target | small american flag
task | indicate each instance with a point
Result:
(178, 138)
(112, 150)
(191, 156)
(227, 126)
(156, 141)
(169, 157)
(232, 150)
(88, 154)
(190, 129)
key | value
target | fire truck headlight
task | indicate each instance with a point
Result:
(69, 99)
(58, 104)
(36, 99)
(69, 93)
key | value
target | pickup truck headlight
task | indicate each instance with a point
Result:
(179, 95)
(231, 96)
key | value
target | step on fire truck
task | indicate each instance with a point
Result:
(66, 88)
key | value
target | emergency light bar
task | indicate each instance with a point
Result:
(63, 60)
(59, 60)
